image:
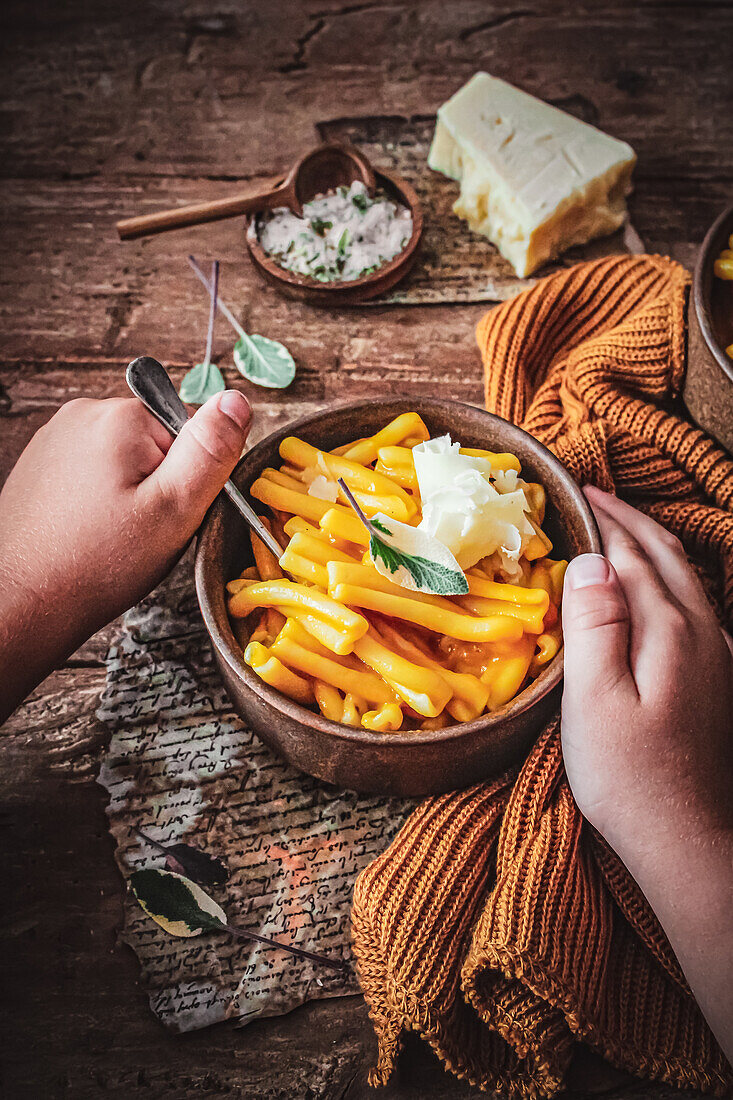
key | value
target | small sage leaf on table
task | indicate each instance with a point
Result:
(408, 556)
(178, 905)
(263, 361)
(201, 383)
(183, 909)
(260, 360)
(184, 859)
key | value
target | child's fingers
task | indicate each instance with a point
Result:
(595, 619)
(660, 626)
(662, 548)
(203, 456)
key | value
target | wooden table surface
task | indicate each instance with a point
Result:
(115, 109)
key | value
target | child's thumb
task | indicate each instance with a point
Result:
(202, 456)
(595, 623)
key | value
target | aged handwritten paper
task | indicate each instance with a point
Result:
(182, 767)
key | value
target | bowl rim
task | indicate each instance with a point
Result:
(306, 282)
(702, 282)
(224, 641)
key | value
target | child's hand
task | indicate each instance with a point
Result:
(96, 511)
(647, 732)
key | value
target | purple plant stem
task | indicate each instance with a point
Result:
(350, 497)
(323, 960)
(214, 293)
(223, 309)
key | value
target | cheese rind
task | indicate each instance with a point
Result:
(534, 180)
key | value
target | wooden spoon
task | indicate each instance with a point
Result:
(323, 169)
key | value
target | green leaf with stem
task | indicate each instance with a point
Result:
(261, 360)
(184, 910)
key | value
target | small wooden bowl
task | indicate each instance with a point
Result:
(708, 390)
(407, 763)
(310, 290)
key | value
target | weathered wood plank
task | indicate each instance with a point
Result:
(106, 90)
(100, 301)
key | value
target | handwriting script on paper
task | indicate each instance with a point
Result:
(182, 767)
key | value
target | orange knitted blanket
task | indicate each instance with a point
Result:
(498, 925)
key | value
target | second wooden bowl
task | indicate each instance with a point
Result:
(407, 763)
(708, 391)
(310, 290)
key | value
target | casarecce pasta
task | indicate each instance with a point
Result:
(326, 628)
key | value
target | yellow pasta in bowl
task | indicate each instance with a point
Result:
(409, 638)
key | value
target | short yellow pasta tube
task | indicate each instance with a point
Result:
(274, 672)
(341, 523)
(548, 646)
(270, 624)
(288, 500)
(317, 548)
(403, 427)
(499, 460)
(386, 719)
(280, 477)
(539, 545)
(365, 684)
(239, 583)
(508, 593)
(354, 707)
(455, 623)
(470, 694)
(531, 617)
(266, 562)
(294, 628)
(537, 500)
(296, 525)
(345, 625)
(557, 570)
(307, 556)
(305, 568)
(397, 463)
(423, 689)
(505, 675)
(357, 476)
(329, 700)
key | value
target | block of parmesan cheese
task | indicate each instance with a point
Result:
(534, 180)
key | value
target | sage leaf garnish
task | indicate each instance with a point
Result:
(408, 556)
(261, 360)
(184, 859)
(183, 909)
(205, 379)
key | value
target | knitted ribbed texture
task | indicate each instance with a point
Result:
(498, 925)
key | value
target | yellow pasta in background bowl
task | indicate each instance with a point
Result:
(353, 677)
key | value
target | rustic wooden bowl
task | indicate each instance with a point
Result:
(407, 763)
(708, 390)
(310, 290)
